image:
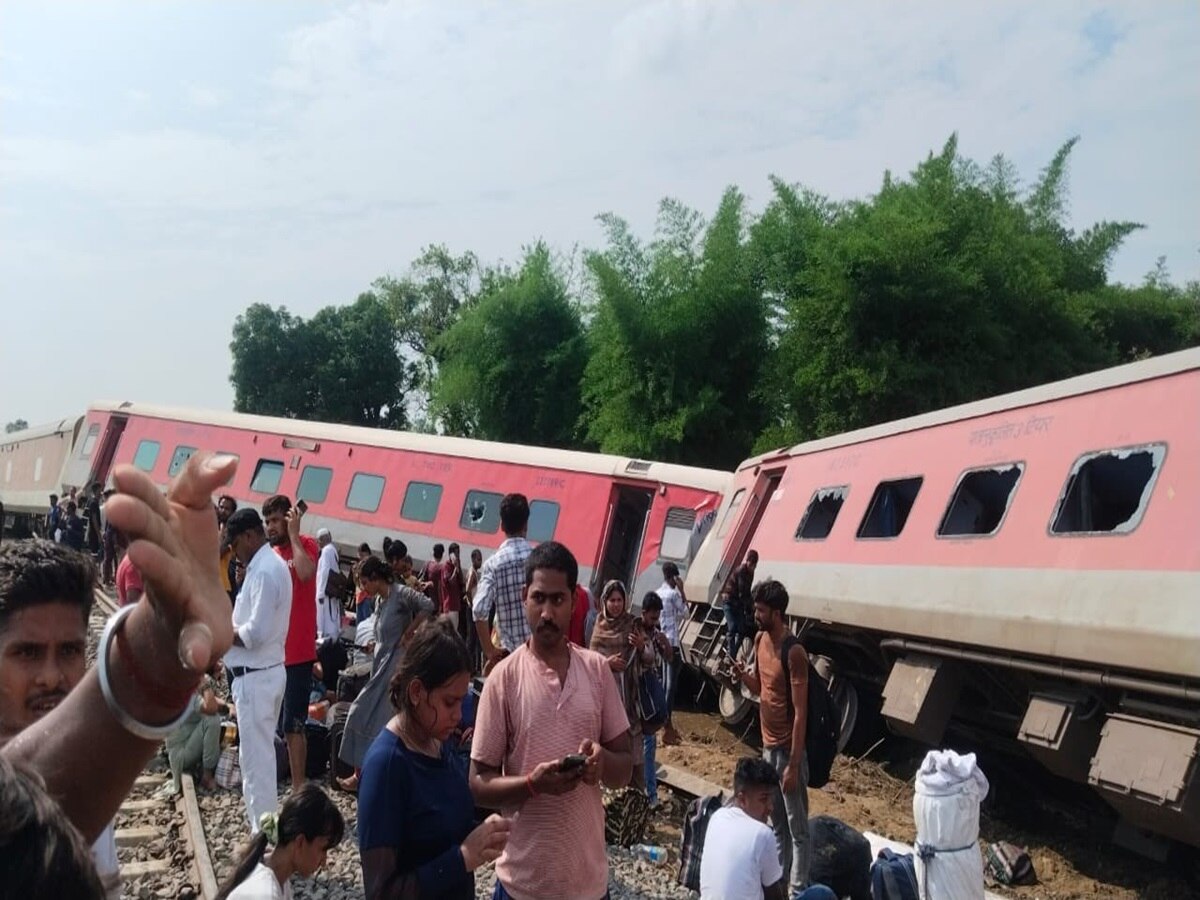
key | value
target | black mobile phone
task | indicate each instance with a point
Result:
(302, 506)
(572, 762)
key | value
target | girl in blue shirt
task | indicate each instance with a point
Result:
(416, 816)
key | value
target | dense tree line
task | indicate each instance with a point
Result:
(715, 338)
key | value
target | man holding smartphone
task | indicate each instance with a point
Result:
(300, 553)
(550, 727)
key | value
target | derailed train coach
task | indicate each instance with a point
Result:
(622, 517)
(1023, 571)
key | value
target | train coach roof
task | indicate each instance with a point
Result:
(567, 460)
(62, 426)
(1144, 370)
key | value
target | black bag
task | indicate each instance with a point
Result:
(840, 858)
(894, 876)
(351, 681)
(338, 714)
(691, 848)
(1009, 864)
(652, 700)
(317, 759)
(821, 730)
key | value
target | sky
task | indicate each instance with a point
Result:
(164, 165)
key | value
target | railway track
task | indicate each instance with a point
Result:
(161, 843)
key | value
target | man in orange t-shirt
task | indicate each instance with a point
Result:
(300, 650)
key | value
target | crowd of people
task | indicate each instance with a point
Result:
(576, 695)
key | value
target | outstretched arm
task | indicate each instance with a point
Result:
(176, 630)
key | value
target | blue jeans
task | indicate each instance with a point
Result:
(650, 748)
(816, 892)
(789, 819)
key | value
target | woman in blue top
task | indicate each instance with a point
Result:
(416, 816)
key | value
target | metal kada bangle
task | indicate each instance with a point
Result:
(155, 733)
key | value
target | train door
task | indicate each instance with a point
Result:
(741, 543)
(628, 511)
(107, 451)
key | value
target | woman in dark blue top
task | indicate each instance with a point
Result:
(415, 811)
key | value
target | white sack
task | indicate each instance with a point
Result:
(946, 811)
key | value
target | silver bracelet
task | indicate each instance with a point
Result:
(155, 733)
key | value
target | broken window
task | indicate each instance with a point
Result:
(981, 501)
(889, 508)
(822, 512)
(1107, 491)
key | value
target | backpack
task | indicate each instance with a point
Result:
(1008, 864)
(894, 876)
(691, 848)
(821, 730)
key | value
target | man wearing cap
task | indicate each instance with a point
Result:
(329, 609)
(260, 627)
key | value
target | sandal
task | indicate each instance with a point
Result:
(349, 784)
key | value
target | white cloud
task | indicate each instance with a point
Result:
(320, 146)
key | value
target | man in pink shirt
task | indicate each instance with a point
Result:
(549, 728)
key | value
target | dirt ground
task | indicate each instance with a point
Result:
(872, 794)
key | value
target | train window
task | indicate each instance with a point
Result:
(677, 532)
(421, 501)
(731, 513)
(981, 501)
(365, 492)
(267, 475)
(178, 459)
(481, 512)
(822, 512)
(1107, 491)
(146, 455)
(889, 508)
(543, 519)
(314, 484)
(89, 441)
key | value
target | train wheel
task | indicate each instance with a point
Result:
(735, 707)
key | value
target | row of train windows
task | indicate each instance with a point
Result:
(480, 512)
(481, 509)
(1106, 492)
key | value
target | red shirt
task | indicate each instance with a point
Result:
(301, 645)
(578, 616)
(128, 577)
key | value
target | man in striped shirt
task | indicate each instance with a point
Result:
(502, 583)
(550, 727)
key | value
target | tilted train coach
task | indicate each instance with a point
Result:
(621, 517)
(1024, 570)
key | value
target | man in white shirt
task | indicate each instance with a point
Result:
(740, 860)
(255, 661)
(674, 614)
(329, 609)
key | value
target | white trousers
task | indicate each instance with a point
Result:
(258, 696)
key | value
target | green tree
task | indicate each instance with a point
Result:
(939, 289)
(424, 303)
(678, 339)
(510, 366)
(343, 365)
(271, 368)
(15, 425)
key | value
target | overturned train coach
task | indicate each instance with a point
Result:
(1022, 571)
(623, 518)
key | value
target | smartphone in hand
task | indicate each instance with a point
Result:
(302, 506)
(572, 762)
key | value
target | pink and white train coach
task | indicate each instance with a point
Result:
(621, 517)
(1024, 571)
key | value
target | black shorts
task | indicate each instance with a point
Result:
(295, 697)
